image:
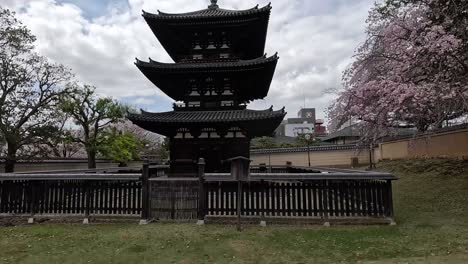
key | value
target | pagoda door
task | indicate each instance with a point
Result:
(212, 156)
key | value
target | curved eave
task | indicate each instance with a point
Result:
(175, 32)
(204, 67)
(252, 78)
(204, 14)
(259, 124)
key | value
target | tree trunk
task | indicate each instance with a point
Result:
(91, 159)
(9, 165)
(371, 160)
(10, 158)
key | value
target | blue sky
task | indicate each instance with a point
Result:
(96, 8)
(100, 40)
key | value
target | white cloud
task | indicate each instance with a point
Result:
(315, 40)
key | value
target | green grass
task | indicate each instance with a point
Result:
(431, 207)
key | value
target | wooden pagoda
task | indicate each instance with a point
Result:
(219, 67)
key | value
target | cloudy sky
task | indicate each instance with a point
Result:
(99, 40)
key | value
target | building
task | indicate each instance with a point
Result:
(304, 123)
(346, 135)
(351, 134)
(219, 68)
(319, 129)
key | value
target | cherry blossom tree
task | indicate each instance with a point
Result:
(412, 70)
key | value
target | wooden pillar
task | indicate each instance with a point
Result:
(390, 198)
(326, 198)
(201, 191)
(144, 193)
(240, 171)
(87, 193)
(33, 201)
(239, 203)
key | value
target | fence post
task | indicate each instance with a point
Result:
(239, 203)
(144, 194)
(33, 203)
(390, 202)
(262, 203)
(326, 209)
(201, 192)
(288, 166)
(87, 188)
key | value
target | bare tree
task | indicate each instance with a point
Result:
(30, 87)
(62, 143)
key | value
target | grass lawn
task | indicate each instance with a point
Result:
(431, 207)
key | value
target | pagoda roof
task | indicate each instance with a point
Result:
(254, 122)
(251, 78)
(175, 31)
(213, 11)
(207, 65)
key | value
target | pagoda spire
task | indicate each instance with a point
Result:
(213, 4)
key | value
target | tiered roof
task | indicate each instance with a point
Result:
(220, 65)
(250, 24)
(255, 122)
(253, 77)
(213, 11)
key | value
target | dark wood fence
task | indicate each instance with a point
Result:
(298, 192)
(80, 194)
(174, 199)
(307, 198)
(279, 192)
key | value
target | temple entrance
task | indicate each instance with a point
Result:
(213, 157)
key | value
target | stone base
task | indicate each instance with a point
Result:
(263, 223)
(85, 221)
(31, 220)
(327, 224)
(143, 222)
(200, 222)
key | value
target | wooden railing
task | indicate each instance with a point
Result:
(71, 194)
(285, 192)
(297, 192)
(301, 198)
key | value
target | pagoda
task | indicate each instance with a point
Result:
(220, 67)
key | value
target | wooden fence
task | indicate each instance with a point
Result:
(296, 198)
(273, 192)
(276, 192)
(71, 194)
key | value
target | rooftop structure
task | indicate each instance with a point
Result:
(304, 123)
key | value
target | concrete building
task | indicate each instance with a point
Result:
(305, 122)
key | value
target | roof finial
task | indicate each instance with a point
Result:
(213, 4)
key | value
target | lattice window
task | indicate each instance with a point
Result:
(235, 132)
(210, 87)
(211, 44)
(196, 45)
(183, 133)
(225, 43)
(194, 104)
(193, 88)
(227, 103)
(224, 55)
(227, 89)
